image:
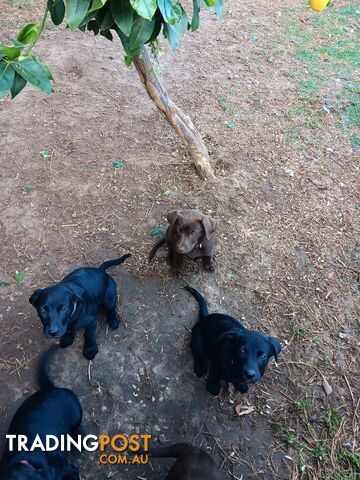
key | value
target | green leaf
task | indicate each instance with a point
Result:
(157, 27)
(18, 84)
(76, 11)
(210, 3)
(9, 52)
(203, 4)
(219, 9)
(140, 33)
(174, 32)
(195, 22)
(230, 125)
(19, 276)
(144, 8)
(123, 15)
(171, 11)
(57, 11)
(155, 230)
(97, 5)
(104, 19)
(30, 188)
(45, 153)
(33, 72)
(29, 33)
(117, 164)
(167, 193)
(7, 76)
(107, 34)
(43, 66)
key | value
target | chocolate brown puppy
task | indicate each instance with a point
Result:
(190, 233)
(192, 463)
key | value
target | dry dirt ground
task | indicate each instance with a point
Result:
(272, 89)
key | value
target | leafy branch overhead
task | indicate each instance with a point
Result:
(136, 22)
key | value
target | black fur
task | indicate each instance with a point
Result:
(49, 411)
(236, 354)
(73, 303)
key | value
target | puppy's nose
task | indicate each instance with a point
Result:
(54, 332)
(250, 374)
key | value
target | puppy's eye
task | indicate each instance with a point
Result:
(43, 310)
(242, 350)
(262, 356)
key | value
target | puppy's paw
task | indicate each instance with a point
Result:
(199, 370)
(176, 272)
(213, 388)
(242, 387)
(67, 340)
(90, 351)
(209, 264)
(114, 321)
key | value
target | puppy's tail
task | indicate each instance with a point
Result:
(42, 374)
(172, 451)
(155, 248)
(112, 263)
(202, 302)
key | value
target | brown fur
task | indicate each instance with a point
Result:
(190, 233)
(192, 463)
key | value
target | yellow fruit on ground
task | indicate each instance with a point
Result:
(318, 5)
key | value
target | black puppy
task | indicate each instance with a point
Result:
(73, 303)
(191, 463)
(237, 355)
(49, 411)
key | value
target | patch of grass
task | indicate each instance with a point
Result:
(326, 359)
(320, 452)
(225, 104)
(312, 123)
(355, 140)
(297, 329)
(300, 404)
(351, 457)
(342, 476)
(309, 88)
(306, 54)
(327, 45)
(297, 111)
(288, 435)
(332, 421)
(340, 50)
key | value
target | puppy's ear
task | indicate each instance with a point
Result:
(173, 216)
(35, 297)
(230, 338)
(77, 294)
(275, 347)
(209, 225)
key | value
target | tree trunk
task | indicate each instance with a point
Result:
(176, 117)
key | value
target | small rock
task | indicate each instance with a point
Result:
(313, 417)
(157, 428)
(162, 438)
